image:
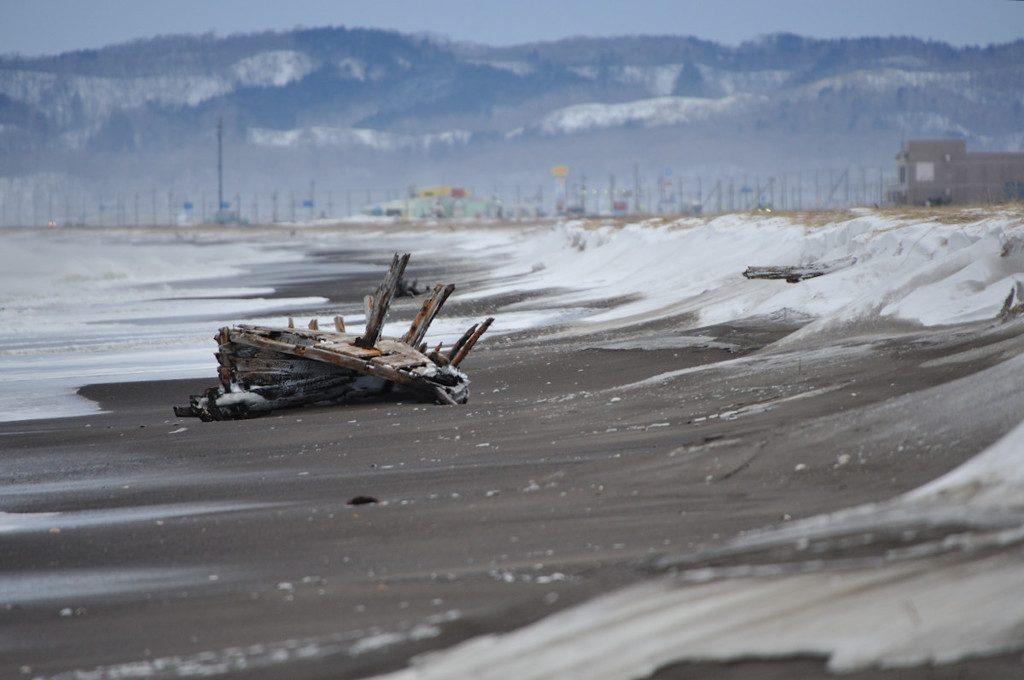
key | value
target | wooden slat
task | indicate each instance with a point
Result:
(382, 301)
(457, 347)
(368, 367)
(472, 341)
(431, 306)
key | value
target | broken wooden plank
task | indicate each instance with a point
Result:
(464, 350)
(1009, 309)
(797, 273)
(381, 300)
(460, 343)
(431, 306)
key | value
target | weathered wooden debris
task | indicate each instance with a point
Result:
(266, 368)
(1013, 305)
(797, 273)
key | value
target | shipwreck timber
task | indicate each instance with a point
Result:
(265, 368)
(798, 273)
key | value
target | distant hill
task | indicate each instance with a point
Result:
(368, 106)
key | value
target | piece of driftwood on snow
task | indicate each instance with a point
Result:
(1011, 310)
(264, 368)
(797, 273)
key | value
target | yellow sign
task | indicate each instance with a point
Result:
(560, 171)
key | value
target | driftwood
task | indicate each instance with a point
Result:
(797, 273)
(1013, 308)
(266, 368)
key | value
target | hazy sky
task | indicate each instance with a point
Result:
(34, 27)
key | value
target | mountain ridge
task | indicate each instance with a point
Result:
(382, 93)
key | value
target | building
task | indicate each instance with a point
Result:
(436, 202)
(941, 172)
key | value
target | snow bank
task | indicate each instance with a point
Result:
(994, 479)
(902, 614)
(946, 593)
(920, 271)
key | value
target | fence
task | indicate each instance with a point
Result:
(44, 200)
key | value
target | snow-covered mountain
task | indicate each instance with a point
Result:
(378, 92)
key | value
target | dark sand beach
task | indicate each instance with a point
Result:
(249, 548)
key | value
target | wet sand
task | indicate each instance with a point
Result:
(236, 546)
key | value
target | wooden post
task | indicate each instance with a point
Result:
(472, 341)
(381, 300)
(460, 343)
(431, 306)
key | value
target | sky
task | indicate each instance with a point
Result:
(39, 27)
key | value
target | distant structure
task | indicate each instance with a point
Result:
(222, 215)
(448, 202)
(941, 172)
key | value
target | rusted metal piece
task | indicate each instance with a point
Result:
(265, 368)
(797, 273)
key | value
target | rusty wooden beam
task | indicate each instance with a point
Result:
(459, 343)
(431, 306)
(471, 341)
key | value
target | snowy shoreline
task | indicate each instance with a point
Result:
(114, 305)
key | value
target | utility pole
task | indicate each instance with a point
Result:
(636, 187)
(220, 165)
